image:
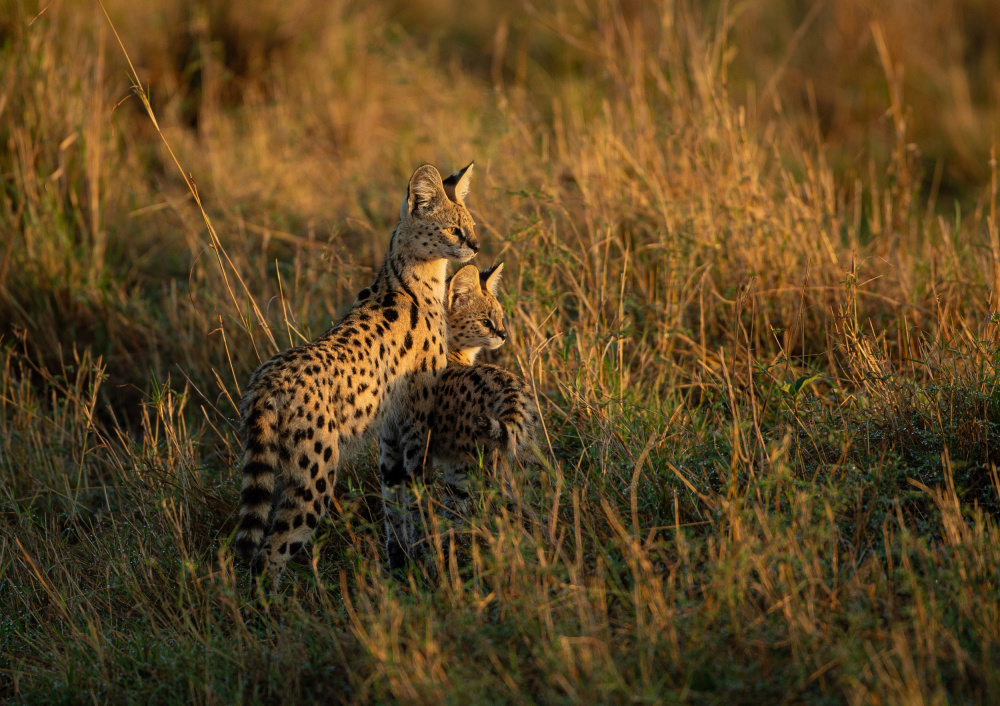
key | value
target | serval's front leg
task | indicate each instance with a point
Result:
(457, 491)
(404, 450)
(396, 495)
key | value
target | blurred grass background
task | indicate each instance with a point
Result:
(753, 257)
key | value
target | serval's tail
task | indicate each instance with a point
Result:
(259, 433)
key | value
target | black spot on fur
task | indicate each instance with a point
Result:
(256, 469)
(251, 522)
(393, 475)
(255, 495)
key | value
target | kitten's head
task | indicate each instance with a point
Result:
(475, 317)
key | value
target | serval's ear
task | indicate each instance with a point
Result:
(457, 185)
(423, 192)
(489, 279)
(464, 283)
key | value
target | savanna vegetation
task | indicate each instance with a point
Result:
(752, 262)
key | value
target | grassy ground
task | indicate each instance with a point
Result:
(753, 256)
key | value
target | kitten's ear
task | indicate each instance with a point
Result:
(464, 283)
(424, 190)
(457, 185)
(489, 279)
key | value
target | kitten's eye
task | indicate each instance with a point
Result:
(487, 323)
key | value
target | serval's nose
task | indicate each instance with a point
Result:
(474, 244)
(502, 334)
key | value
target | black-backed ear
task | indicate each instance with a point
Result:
(457, 185)
(463, 283)
(489, 279)
(425, 189)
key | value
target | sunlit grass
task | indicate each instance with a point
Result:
(759, 322)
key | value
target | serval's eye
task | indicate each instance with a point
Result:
(487, 323)
(455, 230)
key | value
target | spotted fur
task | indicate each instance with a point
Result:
(310, 407)
(474, 410)
(479, 409)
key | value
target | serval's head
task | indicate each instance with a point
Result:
(475, 317)
(433, 221)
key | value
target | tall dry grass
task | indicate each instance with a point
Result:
(759, 316)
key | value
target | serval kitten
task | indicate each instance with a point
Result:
(501, 403)
(309, 408)
(474, 410)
